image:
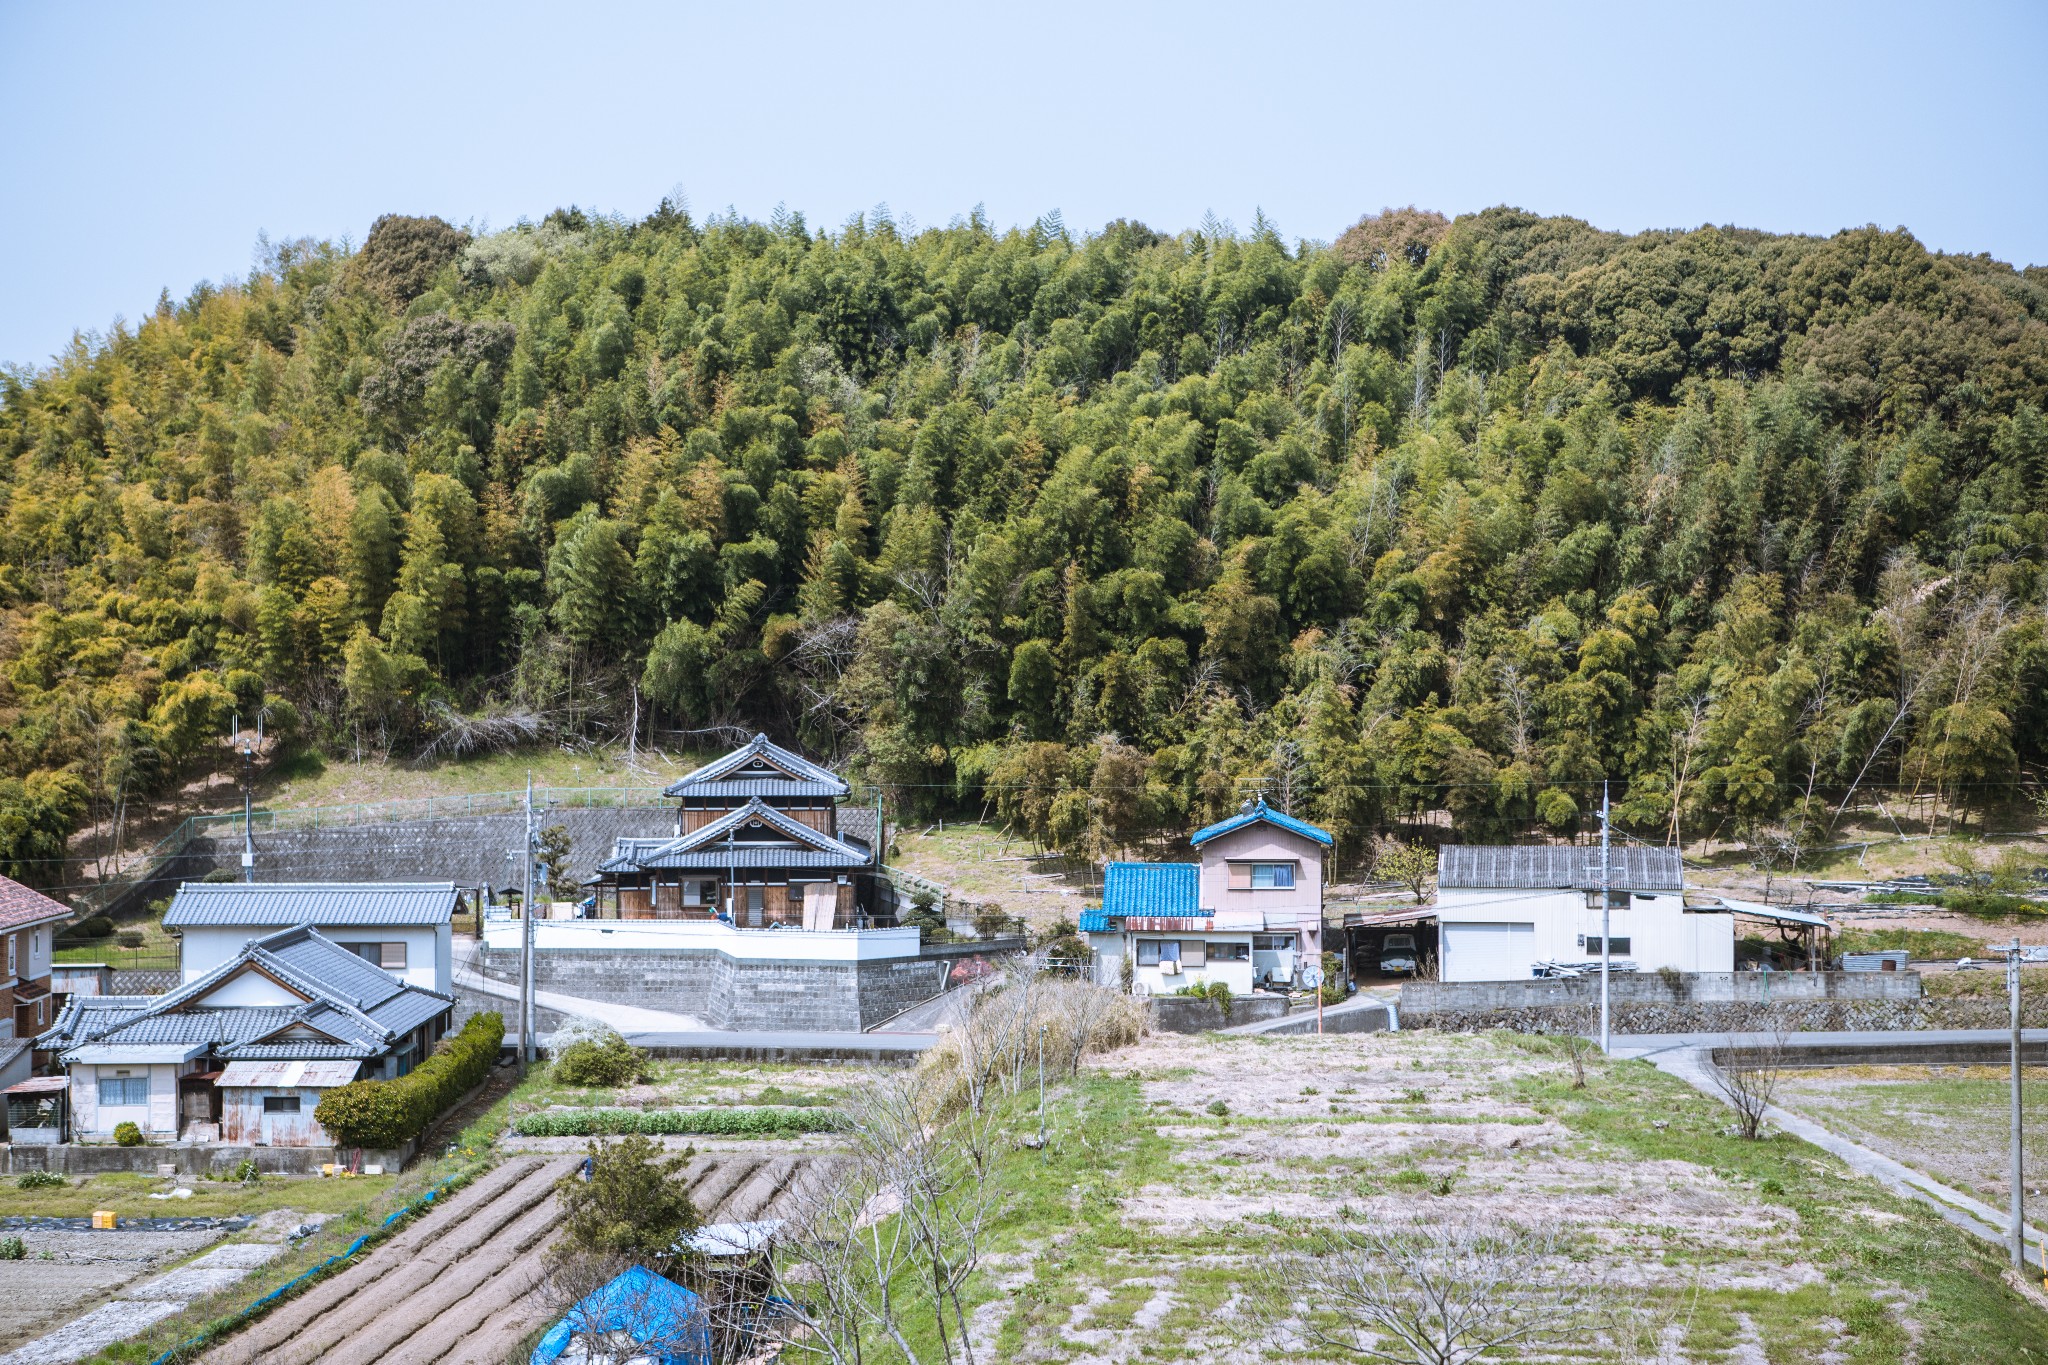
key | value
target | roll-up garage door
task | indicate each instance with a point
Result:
(1488, 952)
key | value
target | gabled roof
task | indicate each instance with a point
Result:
(1557, 867)
(352, 1008)
(1151, 889)
(1261, 813)
(20, 906)
(704, 847)
(277, 904)
(759, 768)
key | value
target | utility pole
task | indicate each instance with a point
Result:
(1606, 929)
(2017, 1236)
(526, 938)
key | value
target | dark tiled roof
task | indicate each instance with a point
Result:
(703, 849)
(362, 1010)
(1262, 814)
(806, 777)
(276, 904)
(1151, 889)
(1565, 867)
(21, 906)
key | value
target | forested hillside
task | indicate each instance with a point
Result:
(1101, 530)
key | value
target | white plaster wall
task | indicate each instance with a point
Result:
(1659, 931)
(158, 1119)
(767, 945)
(428, 949)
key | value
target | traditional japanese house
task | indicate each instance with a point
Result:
(761, 841)
(243, 1053)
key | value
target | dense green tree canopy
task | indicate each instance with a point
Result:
(1101, 531)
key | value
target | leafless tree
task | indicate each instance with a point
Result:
(1441, 1294)
(1747, 1076)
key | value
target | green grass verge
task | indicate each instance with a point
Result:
(1921, 943)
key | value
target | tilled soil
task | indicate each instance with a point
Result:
(459, 1286)
(36, 1295)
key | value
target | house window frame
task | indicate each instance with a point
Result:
(281, 1104)
(1233, 950)
(126, 1085)
(1619, 944)
(1272, 943)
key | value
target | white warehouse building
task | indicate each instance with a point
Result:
(1502, 910)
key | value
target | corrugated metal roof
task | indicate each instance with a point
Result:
(1568, 867)
(1151, 889)
(1261, 813)
(288, 1075)
(1756, 910)
(263, 904)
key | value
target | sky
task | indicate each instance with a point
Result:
(147, 147)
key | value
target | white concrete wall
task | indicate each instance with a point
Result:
(1111, 948)
(39, 943)
(766, 945)
(1659, 931)
(158, 1119)
(429, 950)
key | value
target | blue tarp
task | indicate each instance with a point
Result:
(658, 1314)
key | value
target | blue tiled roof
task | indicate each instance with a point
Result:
(1094, 922)
(1151, 889)
(1259, 812)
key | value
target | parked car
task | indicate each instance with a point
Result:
(1398, 954)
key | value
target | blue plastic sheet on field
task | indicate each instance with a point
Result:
(353, 1247)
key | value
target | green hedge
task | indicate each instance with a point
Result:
(654, 1122)
(386, 1114)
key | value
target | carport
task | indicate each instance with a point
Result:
(1802, 936)
(1365, 931)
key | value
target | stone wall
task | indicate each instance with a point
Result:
(1799, 1016)
(729, 993)
(1660, 988)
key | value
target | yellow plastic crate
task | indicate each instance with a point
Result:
(103, 1219)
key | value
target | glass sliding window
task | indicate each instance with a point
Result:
(1272, 876)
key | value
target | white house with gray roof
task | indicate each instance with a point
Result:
(243, 1053)
(403, 927)
(1503, 910)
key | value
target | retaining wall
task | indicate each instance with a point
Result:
(1658, 988)
(730, 993)
(72, 1158)
(1193, 1014)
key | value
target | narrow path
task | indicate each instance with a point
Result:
(1692, 1063)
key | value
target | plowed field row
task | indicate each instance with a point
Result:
(458, 1286)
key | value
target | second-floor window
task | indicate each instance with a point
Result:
(1272, 876)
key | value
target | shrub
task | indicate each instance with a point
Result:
(636, 1201)
(129, 938)
(41, 1180)
(11, 1249)
(1333, 979)
(246, 1172)
(610, 1062)
(1921, 943)
(88, 930)
(1991, 905)
(386, 1114)
(777, 1122)
(127, 1134)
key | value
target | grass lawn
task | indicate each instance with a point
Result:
(304, 778)
(128, 1195)
(983, 863)
(1141, 1231)
(1949, 1121)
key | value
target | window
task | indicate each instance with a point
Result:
(1273, 943)
(1148, 952)
(1616, 900)
(389, 956)
(1193, 952)
(1620, 948)
(1230, 952)
(280, 1104)
(13, 942)
(123, 1090)
(1272, 876)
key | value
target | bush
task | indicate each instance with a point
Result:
(635, 1203)
(1921, 943)
(11, 1249)
(387, 1114)
(41, 1180)
(86, 931)
(129, 938)
(1333, 979)
(247, 1172)
(610, 1061)
(1991, 905)
(779, 1122)
(127, 1134)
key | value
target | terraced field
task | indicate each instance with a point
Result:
(457, 1287)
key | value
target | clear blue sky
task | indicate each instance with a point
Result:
(147, 146)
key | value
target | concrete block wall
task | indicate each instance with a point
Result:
(469, 850)
(1657, 988)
